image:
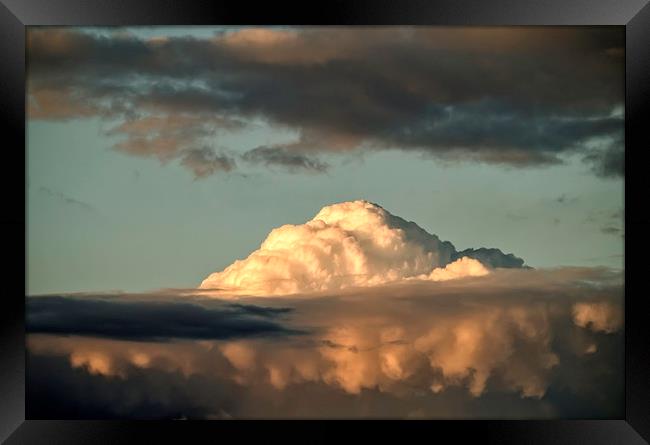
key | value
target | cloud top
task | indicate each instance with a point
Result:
(350, 244)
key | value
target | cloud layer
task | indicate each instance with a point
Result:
(515, 96)
(355, 243)
(150, 320)
(517, 343)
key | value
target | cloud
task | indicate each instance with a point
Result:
(608, 163)
(610, 221)
(461, 268)
(58, 389)
(601, 316)
(67, 199)
(617, 214)
(564, 199)
(276, 156)
(204, 162)
(349, 244)
(152, 321)
(175, 136)
(521, 97)
(610, 230)
(521, 342)
(491, 257)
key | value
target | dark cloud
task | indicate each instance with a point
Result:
(149, 320)
(617, 214)
(260, 310)
(491, 257)
(604, 217)
(58, 390)
(611, 230)
(277, 156)
(515, 96)
(204, 162)
(608, 163)
(564, 199)
(610, 221)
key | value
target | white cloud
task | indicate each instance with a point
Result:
(350, 244)
(463, 267)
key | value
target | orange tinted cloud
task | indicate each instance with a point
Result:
(349, 244)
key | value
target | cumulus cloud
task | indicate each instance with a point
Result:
(601, 316)
(349, 244)
(464, 267)
(523, 342)
(520, 96)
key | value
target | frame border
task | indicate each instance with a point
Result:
(15, 15)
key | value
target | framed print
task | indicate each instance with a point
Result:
(372, 220)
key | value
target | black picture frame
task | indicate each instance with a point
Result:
(634, 15)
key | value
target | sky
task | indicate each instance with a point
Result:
(156, 156)
(401, 222)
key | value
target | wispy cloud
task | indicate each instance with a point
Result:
(611, 230)
(564, 199)
(205, 162)
(282, 157)
(67, 199)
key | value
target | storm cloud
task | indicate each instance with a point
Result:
(149, 320)
(509, 96)
(515, 343)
